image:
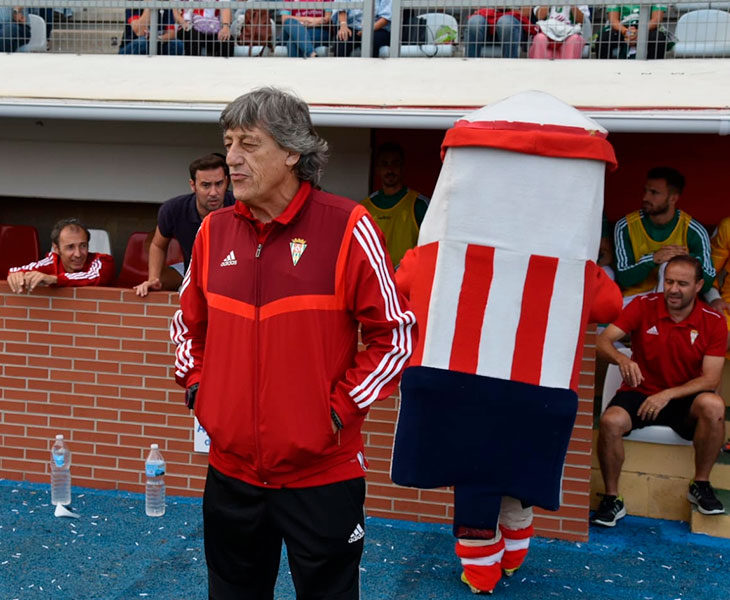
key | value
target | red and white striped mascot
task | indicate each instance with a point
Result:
(503, 283)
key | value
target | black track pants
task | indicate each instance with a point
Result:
(321, 526)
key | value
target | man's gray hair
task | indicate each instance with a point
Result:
(286, 119)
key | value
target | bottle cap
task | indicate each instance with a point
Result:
(154, 446)
(59, 437)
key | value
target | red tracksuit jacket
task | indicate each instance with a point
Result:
(98, 270)
(268, 325)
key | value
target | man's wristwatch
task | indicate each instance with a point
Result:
(190, 394)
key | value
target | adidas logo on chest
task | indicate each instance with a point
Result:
(229, 260)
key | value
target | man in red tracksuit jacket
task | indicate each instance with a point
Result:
(278, 286)
(68, 264)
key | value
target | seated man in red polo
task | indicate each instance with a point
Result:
(69, 263)
(678, 349)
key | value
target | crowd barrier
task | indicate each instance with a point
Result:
(415, 28)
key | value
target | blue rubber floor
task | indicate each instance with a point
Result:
(113, 551)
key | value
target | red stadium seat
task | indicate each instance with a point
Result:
(18, 246)
(174, 253)
(134, 265)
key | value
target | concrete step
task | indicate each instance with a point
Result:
(655, 479)
(83, 40)
(720, 475)
(714, 525)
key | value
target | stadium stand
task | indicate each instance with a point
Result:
(38, 41)
(703, 33)
(99, 241)
(18, 246)
(134, 265)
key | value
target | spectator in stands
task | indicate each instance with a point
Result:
(207, 31)
(180, 218)
(646, 239)
(488, 26)
(68, 264)
(560, 31)
(137, 32)
(396, 209)
(678, 351)
(349, 29)
(14, 28)
(618, 38)
(305, 28)
(720, 244)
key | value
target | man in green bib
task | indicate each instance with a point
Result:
(396, 209)
(646, 239)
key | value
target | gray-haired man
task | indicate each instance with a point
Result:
(277, 288)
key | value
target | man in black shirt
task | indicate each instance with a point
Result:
(181, 216)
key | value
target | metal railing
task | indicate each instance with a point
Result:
(410, 28)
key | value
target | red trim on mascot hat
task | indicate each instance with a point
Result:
(560, 141)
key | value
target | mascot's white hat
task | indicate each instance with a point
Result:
(540, 204)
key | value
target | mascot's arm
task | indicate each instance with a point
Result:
(606, 295)
(407, 271)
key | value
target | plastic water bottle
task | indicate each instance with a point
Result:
(155, 492)
(60, 472)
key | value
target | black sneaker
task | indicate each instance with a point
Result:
(609, 511)
(703, 497)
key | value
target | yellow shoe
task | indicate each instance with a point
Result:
(472, 588)
(509, 572)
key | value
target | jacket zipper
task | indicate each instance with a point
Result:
(257, 315)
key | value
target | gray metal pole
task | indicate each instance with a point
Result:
(154, 19)
(368, 19)
(642, 40)
(395, 27)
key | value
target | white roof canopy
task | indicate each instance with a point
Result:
(667, 95)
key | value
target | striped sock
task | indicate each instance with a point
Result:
(516, 545)
(481, 564)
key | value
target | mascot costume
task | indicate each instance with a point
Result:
(503, 283)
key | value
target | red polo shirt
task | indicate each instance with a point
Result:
(668, 353)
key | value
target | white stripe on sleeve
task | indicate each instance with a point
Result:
(392, 362)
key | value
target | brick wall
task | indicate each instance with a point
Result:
(96, 366)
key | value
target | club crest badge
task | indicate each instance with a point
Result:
(297, 246)
(693, 335)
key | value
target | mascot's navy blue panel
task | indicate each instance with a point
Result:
(443, 437)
